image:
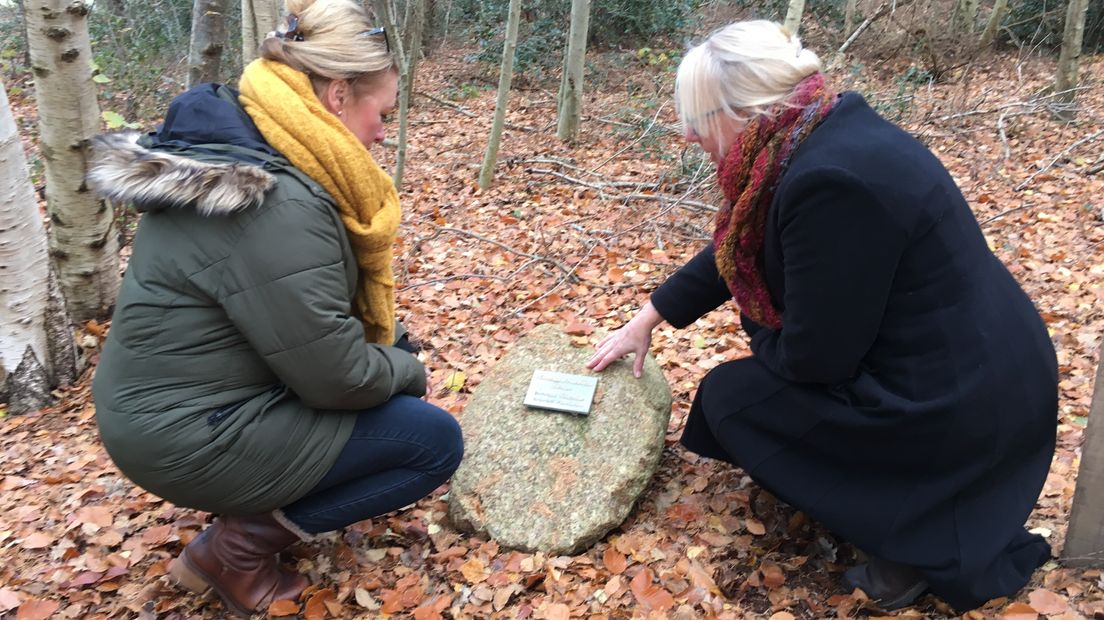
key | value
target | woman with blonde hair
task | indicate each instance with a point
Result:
(902, 388)
(253, 368)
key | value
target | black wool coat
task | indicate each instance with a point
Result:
(909, 401)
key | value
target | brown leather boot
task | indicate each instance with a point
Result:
(237, 557)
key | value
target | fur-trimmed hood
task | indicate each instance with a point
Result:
(125, 172)
(207, 155)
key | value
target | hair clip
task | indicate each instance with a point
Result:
(291, 29)
(377, 31)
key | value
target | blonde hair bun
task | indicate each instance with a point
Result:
(745, 69)
(333, 45)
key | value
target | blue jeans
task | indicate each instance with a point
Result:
(398, 453)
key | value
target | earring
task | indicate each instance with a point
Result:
(340, 112)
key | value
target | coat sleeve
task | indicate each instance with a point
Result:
(840, 249)
(285, 288)
(694, 290)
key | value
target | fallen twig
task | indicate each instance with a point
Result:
(467, 233)
(1006, 212)
(633, 143)
(603, 186)
(570, 275)
(460, 276)
(676, 202)
(466, 112)
(1059, 156)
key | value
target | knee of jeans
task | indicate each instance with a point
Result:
(449, 444)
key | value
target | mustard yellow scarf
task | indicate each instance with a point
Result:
(282, 103)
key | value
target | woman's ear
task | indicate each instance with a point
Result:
(334, 95)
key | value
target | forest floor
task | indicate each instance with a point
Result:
(578, 235)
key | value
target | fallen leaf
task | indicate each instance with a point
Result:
(474, 570)
(650, 594)
(316, 604)
(782, 615)
(614, 561)
(455, 381)
(34, 609)
(433, 609)
(283, 607)
(1047, 603)
(38, 540)
(1018, 611)
(578, 328)
(755, 527)
(365, 600)
(392, 602)
(558, 611)
(157, 535)
(100, 516)
(772, 575)
(9, 600)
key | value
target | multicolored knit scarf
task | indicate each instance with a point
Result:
(748, 176)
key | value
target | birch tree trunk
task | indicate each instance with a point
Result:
(792, 23)
(1073, 35)
(571, 84)
(996, 17)
(83, 240)
(259, 17)
(506, 75)
(207, 41)
(36, 346)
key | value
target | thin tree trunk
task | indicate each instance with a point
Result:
(33, 357)
(21, 9)
(117, 8)
(996, 17)
(506, 75)
(83, 240)
(1085, 537)
(412, 45)
(207, 42)
(965, 16)
(571, 84)
(794, 9)
(849, 17)
(385, 12)
(259, 17)
(1073, 35)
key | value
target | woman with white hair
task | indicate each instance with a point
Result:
(902, 388)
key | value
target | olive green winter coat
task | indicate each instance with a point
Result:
(233, 370)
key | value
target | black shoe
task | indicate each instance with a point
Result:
(890, 585)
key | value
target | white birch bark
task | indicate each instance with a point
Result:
(83, 240)
(32, 349)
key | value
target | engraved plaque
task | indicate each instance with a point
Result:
(557, 391)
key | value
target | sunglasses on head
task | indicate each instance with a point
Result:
(375, 31)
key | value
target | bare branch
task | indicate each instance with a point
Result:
(884, 9)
